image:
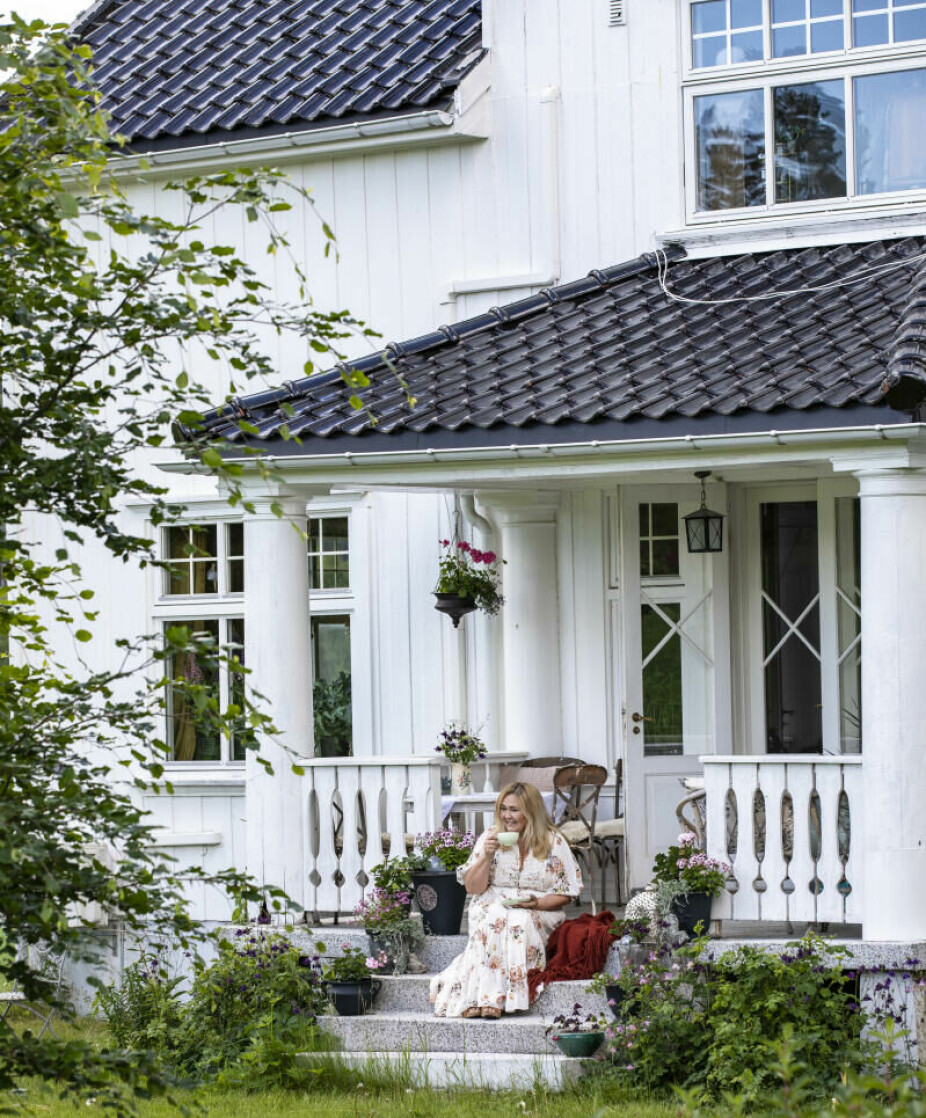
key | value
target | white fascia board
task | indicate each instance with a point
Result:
(895, 446)
(794, 230)
(360, 138)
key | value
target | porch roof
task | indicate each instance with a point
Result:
(788, 339)
(191, 71)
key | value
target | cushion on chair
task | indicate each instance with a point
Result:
(609, 828)
(574, 832)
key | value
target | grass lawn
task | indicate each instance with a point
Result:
(364, 1103)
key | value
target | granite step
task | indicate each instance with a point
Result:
(410, 993)
(413, 1034)
(473, 1070)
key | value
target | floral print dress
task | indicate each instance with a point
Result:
(505, 943)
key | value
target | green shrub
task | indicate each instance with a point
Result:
(690, 1021)
(259, 991)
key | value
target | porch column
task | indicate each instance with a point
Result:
(893, 839)
(278, 656)
(531, 676)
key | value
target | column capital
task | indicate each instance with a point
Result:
(892, 483)
(521, 506)
(269, 500)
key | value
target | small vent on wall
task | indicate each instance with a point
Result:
(617, 12)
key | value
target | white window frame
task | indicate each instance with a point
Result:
(175, 609)
(207, 519)
(748, 543)
(845, 64)
(324, 592)
(353, 601)
(225, 759)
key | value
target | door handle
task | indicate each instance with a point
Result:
(636, 717)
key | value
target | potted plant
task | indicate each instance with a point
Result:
(461, 748)
(440, 896)
(693, 879)
(394, 935)
(634, 949)
(468, 579)
(575, 1035)
(349, 980)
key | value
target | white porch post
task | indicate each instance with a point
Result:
(531, 678)
(893, 842)
(278, 656)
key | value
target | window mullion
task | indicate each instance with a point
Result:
(769, 146)
(851, 188)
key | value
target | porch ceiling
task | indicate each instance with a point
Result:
(802, 338)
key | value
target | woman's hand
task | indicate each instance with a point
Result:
(491, 843)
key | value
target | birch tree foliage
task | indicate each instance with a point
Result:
(105, 314)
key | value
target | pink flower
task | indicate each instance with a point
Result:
(372, 963)
(489, 557)
(476, 555)
(463, 545)
(687, 838)
(445, 543)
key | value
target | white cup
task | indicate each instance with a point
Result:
(507, 838)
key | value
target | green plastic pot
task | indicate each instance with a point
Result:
(578, 1045)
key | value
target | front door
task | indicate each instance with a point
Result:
(673, 607)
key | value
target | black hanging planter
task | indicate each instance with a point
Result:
(441, 899)
(454, 606)
(692, 908)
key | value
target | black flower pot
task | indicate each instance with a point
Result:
(378, 946)
(692, 908)
(615, 995)
(352, 997)
(455, 606)
(441, 899)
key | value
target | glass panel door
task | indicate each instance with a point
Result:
(791, 627)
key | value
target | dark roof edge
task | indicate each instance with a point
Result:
(446, 335)
(169, 142)
(606, 430)
(90, 14)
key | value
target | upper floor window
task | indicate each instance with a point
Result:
(786, 108)
(207, 559)
(329, 553)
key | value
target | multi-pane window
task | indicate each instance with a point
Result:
(329, 553)
(191, 735)
(331, 692)
(659, 524)
(832, 132)
(734, 32)
(203, 559)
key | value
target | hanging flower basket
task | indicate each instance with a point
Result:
(469, 579)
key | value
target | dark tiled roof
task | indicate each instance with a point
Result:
(191, 68)
(615, 348)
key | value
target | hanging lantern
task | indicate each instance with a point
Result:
(704, 528)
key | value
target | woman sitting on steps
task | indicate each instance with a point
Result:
(518, 893)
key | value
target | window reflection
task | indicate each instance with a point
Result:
(889, 113)
(810, 141)
(730, 132)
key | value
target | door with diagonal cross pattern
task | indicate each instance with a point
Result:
(668, 716)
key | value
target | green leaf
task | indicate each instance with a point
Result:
(83, 636)
(67, 204)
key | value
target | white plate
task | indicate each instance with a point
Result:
(513, 902)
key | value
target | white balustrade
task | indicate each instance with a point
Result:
(789, 826)
(362, 808)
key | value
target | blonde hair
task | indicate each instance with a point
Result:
(538, 829)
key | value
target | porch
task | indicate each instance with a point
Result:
(743, 667)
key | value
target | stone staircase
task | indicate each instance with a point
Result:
(401, 1034)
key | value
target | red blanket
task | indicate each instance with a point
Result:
(576, 950)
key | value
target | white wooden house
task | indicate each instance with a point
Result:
(488, 168)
